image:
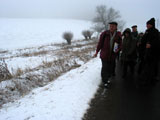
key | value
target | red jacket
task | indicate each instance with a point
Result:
(104, 45)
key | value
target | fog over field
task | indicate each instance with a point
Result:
(133, 12)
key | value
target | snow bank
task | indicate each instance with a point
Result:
(66, 98)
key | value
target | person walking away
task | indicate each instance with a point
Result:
(150, 49)
(129, 54)
(109, 45)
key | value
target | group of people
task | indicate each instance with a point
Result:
(141, 49)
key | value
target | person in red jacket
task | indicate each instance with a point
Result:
(109, 45)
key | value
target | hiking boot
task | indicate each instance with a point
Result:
(108, 82)
(106, 85)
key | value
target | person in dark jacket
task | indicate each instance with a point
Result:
(150, 50)
(129, 54)
(134, 32)
(139, 51)
(109, 45)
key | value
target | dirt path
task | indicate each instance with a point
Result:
(125, 101)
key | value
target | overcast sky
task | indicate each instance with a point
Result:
(133, 12)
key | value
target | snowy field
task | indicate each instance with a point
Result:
(27, 36)
(22, 33)
(67, 98)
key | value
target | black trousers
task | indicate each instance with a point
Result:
(128, 64)
(148, 71)
(154, 63)
(156, 67)
(108, 69)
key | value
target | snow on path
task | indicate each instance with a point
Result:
(66, 98)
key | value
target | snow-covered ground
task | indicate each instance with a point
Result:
(67, 98)
(21, 33)
(16, 59)
(26, 36)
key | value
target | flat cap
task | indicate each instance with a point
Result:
(134, 26)
(113, 23)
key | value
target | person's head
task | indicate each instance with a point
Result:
(113, 26)
(127, 32)
(150, 23)
(134, 28)
(141, 34)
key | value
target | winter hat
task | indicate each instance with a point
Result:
(151, 22)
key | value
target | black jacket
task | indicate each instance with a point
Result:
(151, 37)
(135, 35)
(129, 49)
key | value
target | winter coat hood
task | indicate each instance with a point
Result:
(127, 30)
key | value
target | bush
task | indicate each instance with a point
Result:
(68, 36)
(4, 72)
(90, 33)
(87, 34)
(84, 33)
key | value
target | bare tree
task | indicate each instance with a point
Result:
(121, 25)
(101, 17)
(104, 16)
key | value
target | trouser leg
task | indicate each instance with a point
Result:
(125, 66)
(132, 66)
(107, 70)
(103, 71)
(113, 67)
(140, 67)
(156, 68)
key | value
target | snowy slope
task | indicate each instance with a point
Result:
(21, 33)
(66, 98)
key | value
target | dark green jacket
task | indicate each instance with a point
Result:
(129, 49)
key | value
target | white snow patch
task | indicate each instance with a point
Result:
(21, 33)
(66, 98)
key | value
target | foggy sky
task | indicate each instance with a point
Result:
(133, 12)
